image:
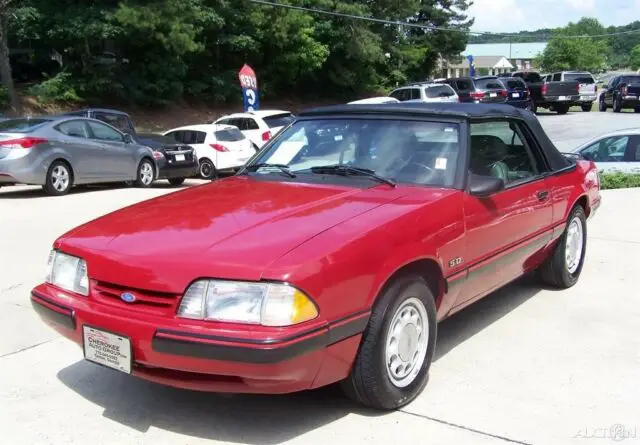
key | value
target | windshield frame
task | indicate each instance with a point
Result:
(460, 178)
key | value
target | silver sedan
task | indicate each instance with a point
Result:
(60, 152)
(618, 151)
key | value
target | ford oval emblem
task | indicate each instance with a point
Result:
(128, 297)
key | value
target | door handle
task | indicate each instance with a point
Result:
(544, 194)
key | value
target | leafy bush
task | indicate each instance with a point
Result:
(57, 89)
(619, 180)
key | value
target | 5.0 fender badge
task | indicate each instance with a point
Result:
(455, 262)
(128, 297)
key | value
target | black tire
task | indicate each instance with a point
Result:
(534, 106)
(555, 271)
(369, 382)
(207, 170)
(586, 107)
(54, 182)
(617, 105)
(636, 110)
(176, 181)
(142, 178)
(602, 106)
(562, 109)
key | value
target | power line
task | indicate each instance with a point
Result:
(430, 27)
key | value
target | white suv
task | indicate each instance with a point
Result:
(218, 147)
(259, 126)
(425, 92)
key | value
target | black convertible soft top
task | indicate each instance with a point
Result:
(465, 111)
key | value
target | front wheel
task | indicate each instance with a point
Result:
(586, 107)
(392, 365)
(562, 269)
(146, 173)
(602, 106)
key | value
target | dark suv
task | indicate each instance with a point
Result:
(622, 92)
(478, 90)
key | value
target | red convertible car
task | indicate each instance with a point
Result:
(330, 257)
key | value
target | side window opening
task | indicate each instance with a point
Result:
(500, 149)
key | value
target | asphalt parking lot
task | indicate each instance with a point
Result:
(525, 365)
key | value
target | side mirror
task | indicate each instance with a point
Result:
(483, 186)
(128, 138)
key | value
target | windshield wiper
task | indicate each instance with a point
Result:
(347, 170)
(281, 167)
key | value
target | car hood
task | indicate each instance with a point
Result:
(233, 228)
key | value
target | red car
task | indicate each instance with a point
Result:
(330, 257)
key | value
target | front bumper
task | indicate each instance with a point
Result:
(179, 353)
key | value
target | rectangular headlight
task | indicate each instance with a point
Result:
(268, 304)
(67, 272)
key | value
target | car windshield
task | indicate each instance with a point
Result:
(21, 125)
(579, 77)
(416, 152)
(514, 83)
(279, 120)
(630, 80)
(488, 84)
(229, 135)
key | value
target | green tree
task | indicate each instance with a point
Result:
(6, 10)
(634, 58)
(565, 52)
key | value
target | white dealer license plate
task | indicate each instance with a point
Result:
(515, 95)
(492, 94)
(180, 158)
(107, 349)
(562, 97)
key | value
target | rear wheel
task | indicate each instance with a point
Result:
(207, 170)
(586, 107)
(176, 181)
(392, 365)
(602, 106)
(534, 107)
(617, 105)
(562, 269)
(636, 109)
(146, 174)
(59, 179)
(562, 109)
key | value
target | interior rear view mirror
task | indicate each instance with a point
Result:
(482, 186)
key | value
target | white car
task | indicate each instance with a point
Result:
(426, 92)
(219, 148)
(259, 126)
(375, 100)
(618, 151)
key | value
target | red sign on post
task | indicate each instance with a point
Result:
(249, 84)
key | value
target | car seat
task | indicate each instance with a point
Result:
(487, 153)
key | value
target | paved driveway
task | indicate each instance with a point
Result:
(524, 365)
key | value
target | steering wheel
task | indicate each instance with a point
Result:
(426, 167)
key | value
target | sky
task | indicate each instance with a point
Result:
(520, 15)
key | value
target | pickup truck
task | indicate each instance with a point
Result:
(316, 265)
(555, 96)
(175, 162)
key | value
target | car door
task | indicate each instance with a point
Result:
(505, 229)
(609, 92)
(75, 140)
(633, 154)
(611, 154)
(116, 159)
